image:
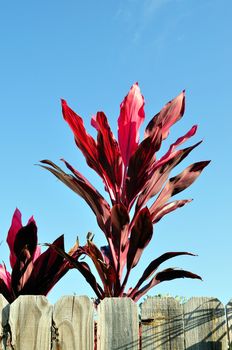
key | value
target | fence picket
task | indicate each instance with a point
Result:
(205, 324)
(229, 322)
(4, 311)
(118, 325)
(73, 319)
(162, 324)
(30, 322)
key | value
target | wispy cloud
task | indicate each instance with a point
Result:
(138, 16)
(151, 7)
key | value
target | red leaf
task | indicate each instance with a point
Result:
(169, 115)
(172, 149)
(83, 140)
(109, 157)
(131, 117)
(16, 224)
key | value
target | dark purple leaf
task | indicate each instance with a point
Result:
(160, 174)
(141, 235)
(83, 188)
(26, 238)
(83, 268)
(140, 165)
(109, 157)
(165, 275)
(6, 292)
(153, 266)
(179, 183)
(120, 230)
(48, 268)
(24, 249)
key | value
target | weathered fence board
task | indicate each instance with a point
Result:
(229, 322)
(205, 324)
(4, 314)
(118, 325)
(30, 321)
(162, 324)
(73, 323)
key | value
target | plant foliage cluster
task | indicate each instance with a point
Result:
(140, 190)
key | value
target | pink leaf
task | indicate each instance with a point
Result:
(130, 119)
(156, 215)
(16, 225)
(5, 276)
(169, 115)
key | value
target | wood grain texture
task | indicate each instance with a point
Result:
(73, 318)
(162, 324)
(229, 322)
(30, 321)
(4, 314)
(205, 324)
(117, 325)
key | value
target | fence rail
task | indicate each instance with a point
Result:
(73, 323)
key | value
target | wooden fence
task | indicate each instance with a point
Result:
(73, 323)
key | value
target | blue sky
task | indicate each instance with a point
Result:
(90, 53)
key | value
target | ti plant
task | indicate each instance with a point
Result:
(33, 272)
(132, 175)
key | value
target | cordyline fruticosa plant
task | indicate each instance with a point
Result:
(33, 272)
(132, 175)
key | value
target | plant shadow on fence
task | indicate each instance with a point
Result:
(6, 334)
(200, 324)
(229, 322)
(202, 328)
(211, 345)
